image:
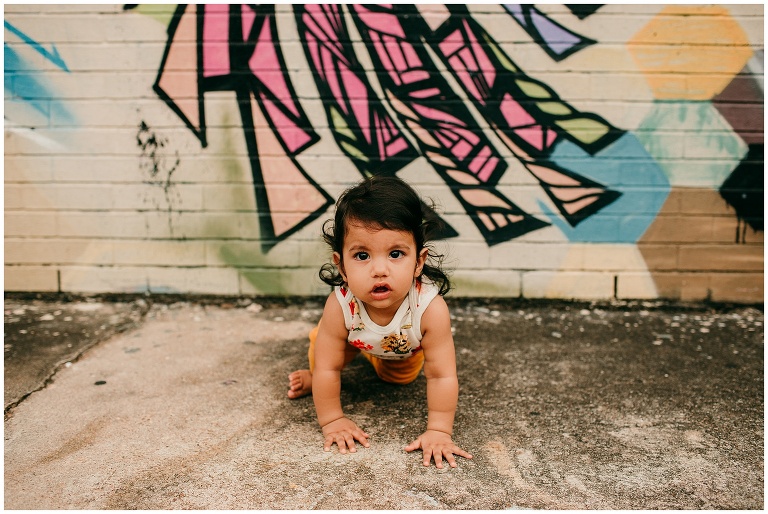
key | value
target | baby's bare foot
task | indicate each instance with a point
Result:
(300, 383)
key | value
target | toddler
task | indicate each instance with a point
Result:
(387, 304)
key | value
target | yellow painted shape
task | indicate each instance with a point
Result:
(690, 52)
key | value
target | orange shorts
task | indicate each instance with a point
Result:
(401, 372)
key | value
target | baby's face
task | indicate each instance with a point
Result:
(379, 266)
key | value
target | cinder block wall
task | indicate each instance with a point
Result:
(585, 152)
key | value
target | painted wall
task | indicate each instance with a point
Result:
(574, 151)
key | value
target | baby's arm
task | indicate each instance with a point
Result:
(442, 387)
(326, 381)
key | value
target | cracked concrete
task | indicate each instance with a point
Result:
(564, 406)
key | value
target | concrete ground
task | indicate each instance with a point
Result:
(144, 404)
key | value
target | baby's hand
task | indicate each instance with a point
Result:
(343, 432)
(437, 445)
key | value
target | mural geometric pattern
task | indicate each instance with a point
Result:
(410, 107)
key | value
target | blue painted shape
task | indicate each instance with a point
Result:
(28, 85)
(52, 54)
(23, 85)
(624, 166)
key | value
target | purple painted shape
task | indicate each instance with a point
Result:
(558, 39)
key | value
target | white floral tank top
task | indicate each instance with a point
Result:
(401, 338)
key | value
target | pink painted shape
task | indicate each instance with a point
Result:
(572, 194)
(331, 63)
(466, 78)
(179, 76)
(396, 57)
(551, 177)
(575, 207)
(461, 149)
(534, 136)
(215, 36)
(265, 59)
(484, 64)
(480, 159)
(434, 114)
(386, 23)
(484, 174)
(248, 16)
(332, 79)
(452, 43)
(514, 113)
(293, 136)
(360, 110)
(292, 197)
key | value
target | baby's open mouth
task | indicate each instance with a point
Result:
(380, 289)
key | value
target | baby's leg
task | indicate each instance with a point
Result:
(398, 371)
(300, 381)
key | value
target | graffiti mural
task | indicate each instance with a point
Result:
(574, 150)
(238, 49)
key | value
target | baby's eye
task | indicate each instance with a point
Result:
(361, 256)
(396, 254)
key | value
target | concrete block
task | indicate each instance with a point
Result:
(527, 256)
(635, 286)
(490, 283)
(31, 278)
(57, 251)
(721, 257)
(113, 170)
(679, 229)
(101, 225)
(86, 196)
(103, 279)
(568, 285)
(159, 253)
(686, 287)
(738, 287)
(266, 282)
(30, 224)
(229, 197)
(31, 196)
(193, 280)
(22, 168)
(659, 256)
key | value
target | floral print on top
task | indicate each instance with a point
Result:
(401, 338)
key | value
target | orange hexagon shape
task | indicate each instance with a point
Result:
(690, 52)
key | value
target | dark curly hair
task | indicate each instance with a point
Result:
(386, 203)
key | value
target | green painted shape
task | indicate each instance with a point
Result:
(533, 90)
(339, 124)
(341, 128)
(161, 12)
(554, 108)
(499, 53)
(353, 151)
(585, 130)
(691, 142)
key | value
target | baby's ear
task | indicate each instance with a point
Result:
(339, 265)
(420, 262)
